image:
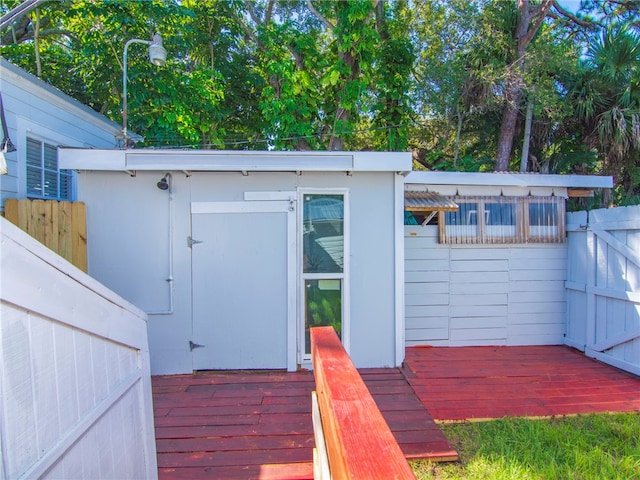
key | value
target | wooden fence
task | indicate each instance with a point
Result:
(603, 285)
(60, 226)
(350, 431)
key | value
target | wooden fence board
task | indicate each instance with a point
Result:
(79, 235)
(60, 226)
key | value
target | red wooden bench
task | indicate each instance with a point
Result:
(359, 443)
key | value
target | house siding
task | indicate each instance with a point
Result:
(457, 295)
(34, 108)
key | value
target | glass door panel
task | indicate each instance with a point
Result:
(323, 234)
(323, 307)
(323, 257)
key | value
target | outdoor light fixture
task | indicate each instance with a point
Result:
(163, 184)
(157, 56)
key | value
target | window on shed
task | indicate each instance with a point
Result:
(502, 219)
(44, 178)
(544, 219)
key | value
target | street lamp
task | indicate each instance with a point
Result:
(157, 56)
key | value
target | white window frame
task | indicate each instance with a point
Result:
(304, 358)
(42, 169)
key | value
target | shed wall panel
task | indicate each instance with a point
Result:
(139, 272)
(497, 295)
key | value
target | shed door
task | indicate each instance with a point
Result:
(242, 300)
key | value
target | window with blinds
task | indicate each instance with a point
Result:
(44, 178)
(504, 220)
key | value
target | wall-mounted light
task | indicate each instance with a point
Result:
(163, 184)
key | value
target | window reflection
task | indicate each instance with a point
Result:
(323, 241)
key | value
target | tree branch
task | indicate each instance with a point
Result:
(538, 13)
(269, 11)
(249, 33)
(320, 17)
(568, 15)
(252, 14)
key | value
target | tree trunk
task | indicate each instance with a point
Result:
(508, 126)
(36, 43)
(458, 132)
(529, 22)
(527, 137)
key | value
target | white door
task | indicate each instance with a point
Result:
(242, 301)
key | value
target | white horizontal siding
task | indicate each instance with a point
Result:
(36, 109)
(497, 295)
(420, 288)
(427, 299)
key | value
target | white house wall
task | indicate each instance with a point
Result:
(35, 109)
(128, 250)
(458, 295)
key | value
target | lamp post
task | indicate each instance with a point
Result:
(157, 56)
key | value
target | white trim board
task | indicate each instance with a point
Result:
(508, 179)
(233, 160)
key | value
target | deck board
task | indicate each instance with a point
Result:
(481, 383)
(243, 425)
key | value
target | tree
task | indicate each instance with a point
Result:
(180, 104)
(529, 21)
(607, 97)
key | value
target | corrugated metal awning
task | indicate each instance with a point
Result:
(428, 202)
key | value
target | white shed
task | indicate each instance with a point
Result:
(486, 257)
(235, 254)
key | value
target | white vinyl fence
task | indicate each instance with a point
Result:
(603, 285)
(75, 384)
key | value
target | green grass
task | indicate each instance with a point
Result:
(585, 447)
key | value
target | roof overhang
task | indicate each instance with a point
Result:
(233, 160)
(500, 179)
(428, 202)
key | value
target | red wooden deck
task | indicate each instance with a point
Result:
(258, 424)
(480, 383)
(243, 425)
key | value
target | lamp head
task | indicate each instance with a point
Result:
(163, 184)
(157, 53)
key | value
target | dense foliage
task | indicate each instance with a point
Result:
(483, 85)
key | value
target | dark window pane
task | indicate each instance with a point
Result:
(34, 153)
(50, 184)
(65, 184)
(467, 214)
(543, 214)
(50, 158)
(500, 213)
(34, 181)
